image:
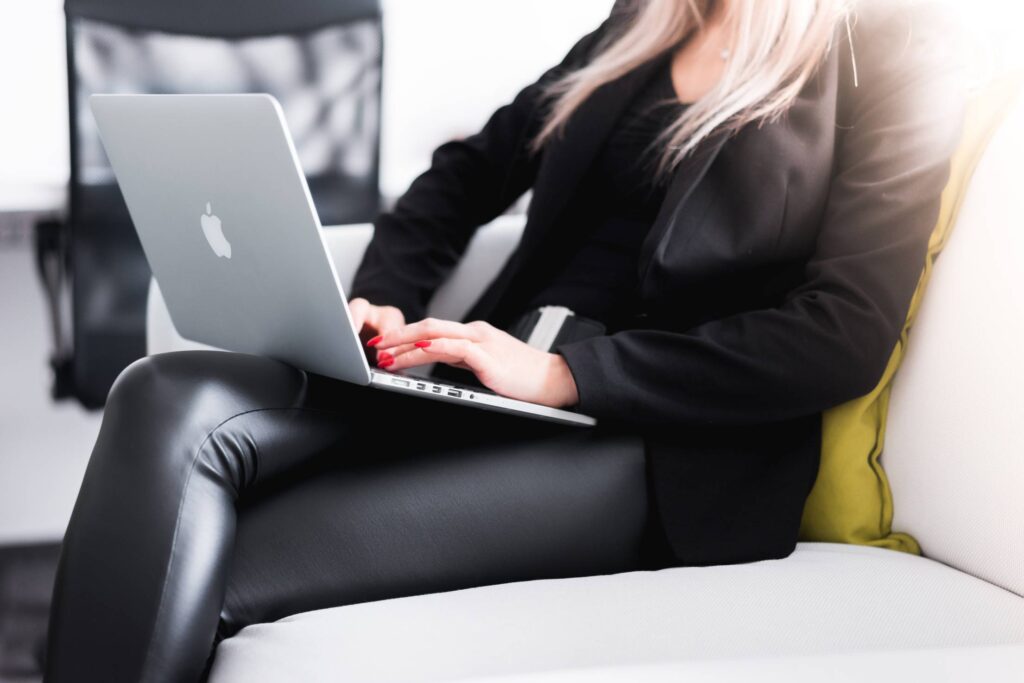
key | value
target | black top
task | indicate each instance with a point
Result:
(599, 278)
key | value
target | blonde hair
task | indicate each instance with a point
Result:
(775, 47)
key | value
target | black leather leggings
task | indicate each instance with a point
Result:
(227, 489)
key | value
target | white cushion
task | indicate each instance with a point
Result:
(954, 449)
(823, 599)
(1002, 664)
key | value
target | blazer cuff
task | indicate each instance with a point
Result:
(596, 375)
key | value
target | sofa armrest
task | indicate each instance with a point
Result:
(487, 252)
(953, 439)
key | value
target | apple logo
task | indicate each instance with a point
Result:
(214, 235)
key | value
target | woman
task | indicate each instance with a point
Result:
(739, 192)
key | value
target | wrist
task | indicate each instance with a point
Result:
(560, 387)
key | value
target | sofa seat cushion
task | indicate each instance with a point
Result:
(824, 599)
(992, 664)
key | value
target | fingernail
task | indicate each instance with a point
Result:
(422, 344)
(385, 362)
(384, 355)
(375, 340)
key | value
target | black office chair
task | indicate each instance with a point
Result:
(320, 58)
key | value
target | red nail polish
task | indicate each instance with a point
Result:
(422, 344)
(385, 362)
(374, 341)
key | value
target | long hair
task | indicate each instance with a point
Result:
(775, 47)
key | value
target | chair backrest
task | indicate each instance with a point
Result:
(320, 58)
(954, 449)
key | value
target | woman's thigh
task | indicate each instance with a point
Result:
(430, 497)
(229, 475)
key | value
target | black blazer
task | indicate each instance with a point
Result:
(775, 279)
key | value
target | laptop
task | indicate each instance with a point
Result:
(221, 206)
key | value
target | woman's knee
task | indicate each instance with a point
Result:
(229, 381)
(163, 408)
(154, 515)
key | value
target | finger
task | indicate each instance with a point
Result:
(459, 348)
(429, 328)
(412, 359)
(385, 319)
(372, 317)
(357, 310)
(394, 351)
(453, 351)
(417, 358)
(389, 319)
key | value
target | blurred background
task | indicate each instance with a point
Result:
(368, 94)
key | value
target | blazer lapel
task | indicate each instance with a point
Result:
(563, 168)
(567, 160)
(685, 178)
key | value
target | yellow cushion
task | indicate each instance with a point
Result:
(851, 501)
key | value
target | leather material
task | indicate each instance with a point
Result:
(234, 18)
(231, 480)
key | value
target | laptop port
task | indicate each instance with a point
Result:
(436, 389)
(455, 392)
(400, 382)
(421, 386)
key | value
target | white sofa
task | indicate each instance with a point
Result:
(955, 457)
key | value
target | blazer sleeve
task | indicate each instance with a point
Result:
(831, 338)
(469, 183)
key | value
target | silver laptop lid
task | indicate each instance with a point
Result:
(214, 187)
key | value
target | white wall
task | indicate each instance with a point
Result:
(33, 102)
(450, 63)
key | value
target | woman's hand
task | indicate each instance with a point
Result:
(373, 321)
(501, 362)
